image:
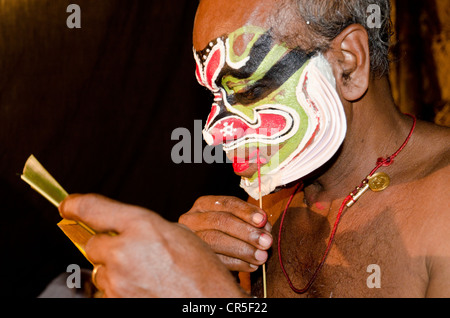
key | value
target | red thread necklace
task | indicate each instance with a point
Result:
(372, 181)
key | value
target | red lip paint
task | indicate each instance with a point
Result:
(241, 164)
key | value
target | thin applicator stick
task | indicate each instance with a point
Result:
(261, 207)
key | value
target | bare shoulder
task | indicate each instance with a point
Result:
(433, 144)
(429, 159)
(431, 168)
(432, 201)
(436, 234)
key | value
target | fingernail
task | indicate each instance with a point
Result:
(261, 255)
(265, 240)
(61, 208)
(258, 218)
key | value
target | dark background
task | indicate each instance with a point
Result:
(97, 107)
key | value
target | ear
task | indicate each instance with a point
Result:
(350, 59)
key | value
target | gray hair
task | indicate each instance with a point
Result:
(326, 19)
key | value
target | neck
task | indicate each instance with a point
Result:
(375, 129)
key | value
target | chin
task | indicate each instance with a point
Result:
(248, 172)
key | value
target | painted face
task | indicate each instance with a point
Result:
(261, 101)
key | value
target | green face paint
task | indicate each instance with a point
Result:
(261, 100)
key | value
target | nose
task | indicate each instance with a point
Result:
(208, 138)
(224, 131)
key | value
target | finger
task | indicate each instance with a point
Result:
(226, 245)
(230, 225)
(110, 253)
(103, 249)
(237, 265)
(98, 212)
(239, 208)
(98, 277)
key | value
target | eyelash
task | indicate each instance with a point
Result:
(248, 95)
(245, 95)
(253, 93)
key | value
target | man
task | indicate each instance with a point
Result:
(317, 73)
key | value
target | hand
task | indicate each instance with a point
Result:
(149, 257)
(236, 230)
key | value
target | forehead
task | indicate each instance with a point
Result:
(220, 17)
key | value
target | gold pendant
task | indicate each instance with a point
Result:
(379, 182)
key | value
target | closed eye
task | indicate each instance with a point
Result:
(251, 94)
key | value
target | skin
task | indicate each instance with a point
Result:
(248, 92)
(404, 229)
(149, 257)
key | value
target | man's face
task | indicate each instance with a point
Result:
(274, 106)
(255, 81)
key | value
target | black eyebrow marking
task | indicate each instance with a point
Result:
(286, 66)
(258, 53)
(273, 79)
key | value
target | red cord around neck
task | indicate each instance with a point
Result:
(380, 162)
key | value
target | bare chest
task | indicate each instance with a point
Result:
(370, 257)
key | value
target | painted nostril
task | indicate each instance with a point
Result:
(229, 132)
(223, 133)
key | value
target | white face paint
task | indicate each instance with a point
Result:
(270, 98)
